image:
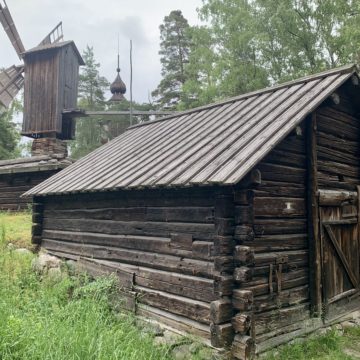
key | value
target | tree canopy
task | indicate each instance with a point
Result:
(9, 135)
(174, 51)
(249, 44)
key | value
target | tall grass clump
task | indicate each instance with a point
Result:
(64, 318)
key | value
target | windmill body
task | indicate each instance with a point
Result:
(51, 90)
(49, 74)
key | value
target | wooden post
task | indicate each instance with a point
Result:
(313, 218)
(37, 219)
(221, 310)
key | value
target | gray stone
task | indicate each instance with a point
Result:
(171, 338)
(44, 262)
(160, 341)
(23, 251)
(71, 266)
(181, 352)
(348, 324)
(11, 246)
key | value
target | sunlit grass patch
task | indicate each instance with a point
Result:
(15, 228)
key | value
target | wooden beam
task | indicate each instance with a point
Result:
(126, 112)
(313, 218)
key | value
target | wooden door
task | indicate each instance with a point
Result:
(339, 242)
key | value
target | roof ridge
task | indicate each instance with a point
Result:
(353, 67)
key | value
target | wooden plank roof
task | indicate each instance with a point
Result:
(214, 144)
(31, 164)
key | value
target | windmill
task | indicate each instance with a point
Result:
(12, 79)
(49, 75)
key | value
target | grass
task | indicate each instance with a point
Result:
(15, 228)
(68, 318)
(42, 318)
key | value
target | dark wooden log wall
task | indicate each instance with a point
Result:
(272, 274)
(338, 146)
(164, 239)
(12, 186)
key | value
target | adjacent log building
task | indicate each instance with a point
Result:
(20, 175)
(237, 221)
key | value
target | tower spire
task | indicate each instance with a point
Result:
(118, 87)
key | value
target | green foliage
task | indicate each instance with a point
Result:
(68, 318)
(174, 51)
(92, 132)
(92, 88)
(327, 347)
(249, 44)
(9, 134)
(15, 228)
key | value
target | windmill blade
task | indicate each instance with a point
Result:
(55, 35)
(7, 22)
(11, 82)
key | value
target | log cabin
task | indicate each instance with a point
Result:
(20, 175)
(237, 222)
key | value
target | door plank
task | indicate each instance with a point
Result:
(341, 255)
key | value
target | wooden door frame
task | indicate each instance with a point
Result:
(315, 273)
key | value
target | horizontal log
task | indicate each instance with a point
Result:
(289, 280)
(275, 172)
(277, 226)
(244, 255)
(166, 214)
(181, 241)
(224, 285)
(174, 321)
(286, 298)
(243, 299)
(278, 242)
(224, 206)
(175, 304)
(292, 144)
(162, 229)
(336, 127)
(263, 259)
(221, 335)
(221, 311)
(279, 207)
(224, 264)
(243, 233)
(223, 245)
(146, 243)
(96, 269)
(140, 198)
(241, 323)
(243, 274)
(192, 287)
(286, 157)
(336, 198)
(271, 320)
(243, 347)
(244, 214)
(243, 196)
(280, 189)
(224, 226)
(139, 258)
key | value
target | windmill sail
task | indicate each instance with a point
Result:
(54, 36)
(11, 82)
(7, 22)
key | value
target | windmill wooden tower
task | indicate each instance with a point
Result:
(49, 75)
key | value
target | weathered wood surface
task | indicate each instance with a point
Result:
(12, 186)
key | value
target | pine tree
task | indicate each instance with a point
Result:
(92, 86)
(9, 135)
(174, 52)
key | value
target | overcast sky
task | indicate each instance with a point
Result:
(97, 23)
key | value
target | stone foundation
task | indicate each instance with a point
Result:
(49, 146)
